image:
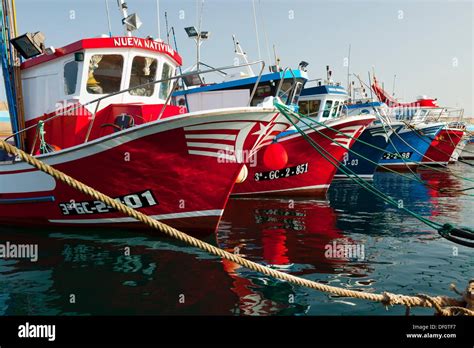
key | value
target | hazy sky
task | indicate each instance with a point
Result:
(427, 44)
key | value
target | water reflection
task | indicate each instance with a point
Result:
(84, 272)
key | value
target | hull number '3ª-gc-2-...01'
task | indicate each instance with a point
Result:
(142, 199)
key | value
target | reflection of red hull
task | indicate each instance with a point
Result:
(307, 172)
(155, 168)
(443, 145)
(281, 233)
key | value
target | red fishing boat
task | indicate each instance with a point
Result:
(98, 110)
(291, 165)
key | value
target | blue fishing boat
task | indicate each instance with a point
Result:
(368, 151)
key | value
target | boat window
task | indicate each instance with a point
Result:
(303, 107)
(261, 93)
(105, 73)
(143, 72)
(335, 108)
(314, 107)
(327, 108)
(70, 77)
(166, 73)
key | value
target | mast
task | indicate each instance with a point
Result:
(108, 17)
(349, 71)
(124, 9)
(256, 30)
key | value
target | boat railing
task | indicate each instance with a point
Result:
(97, 101)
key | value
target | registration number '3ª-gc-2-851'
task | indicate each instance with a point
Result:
(134, 200)
(282, 173)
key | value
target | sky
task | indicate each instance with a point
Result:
(428, 45)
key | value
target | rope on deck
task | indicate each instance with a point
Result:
(442, 304)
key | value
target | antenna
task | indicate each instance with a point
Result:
(108, 17)
(256, 30)
(394, 77)
(158, 17)
(167, 30)
(370, 86)
(349, 70)
(277, 60)
(240, 52)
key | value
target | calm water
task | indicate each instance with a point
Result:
(400, 255)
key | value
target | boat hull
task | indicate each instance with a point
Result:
(443, 146)
(307, 172)
(376, 135)
(411, 143)
(171, 170)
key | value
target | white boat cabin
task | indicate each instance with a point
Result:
(322, 103)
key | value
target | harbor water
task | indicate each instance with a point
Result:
(119, 272)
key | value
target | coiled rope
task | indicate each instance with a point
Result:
(443, 305)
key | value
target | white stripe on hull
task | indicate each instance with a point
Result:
(33, 181)
(191, 214)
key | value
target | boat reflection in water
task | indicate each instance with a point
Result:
(289, 235)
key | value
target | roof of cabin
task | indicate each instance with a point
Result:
(364, 105)
(107, 42)
(326, 89)
(243, 82)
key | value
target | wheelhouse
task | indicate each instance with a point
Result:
(322, 103)
(91, 69)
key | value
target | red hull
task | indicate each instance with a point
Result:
(443, 145)
(307, 172)
(161, 168)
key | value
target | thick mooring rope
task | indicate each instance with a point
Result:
(444, 305)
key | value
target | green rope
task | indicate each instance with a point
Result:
(415, 178)
(351, 174)
(419, 134)
(43, 145)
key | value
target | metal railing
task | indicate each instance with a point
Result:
(176, 78)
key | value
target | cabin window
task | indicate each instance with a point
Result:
(303, 107)
(327, 108)
(335, 109)
(143, 72)
(105, 73)
(166, 73)
(261, 93)
(313, 107)
(70, 77)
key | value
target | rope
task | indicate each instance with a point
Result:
(414, 177)
(386, 298)
(422, 136)
(447, 231)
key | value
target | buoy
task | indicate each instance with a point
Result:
(275, 156)
(244, 172)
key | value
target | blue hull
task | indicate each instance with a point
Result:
(411, 145)
(374, 135)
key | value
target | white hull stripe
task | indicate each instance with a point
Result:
(217, 126)
(190, 214)
(27, 182)
(285, 190)
(229, 137)
(226, 147)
